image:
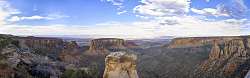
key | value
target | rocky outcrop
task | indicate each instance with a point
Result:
(49, 44)
(199, 41)
(44, 46)
(120, 65)
(105, 45)
(228, 59)
(229, 48)
(70, 53)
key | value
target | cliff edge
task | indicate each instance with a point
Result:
(120, 65)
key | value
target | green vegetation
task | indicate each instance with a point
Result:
(75, 74)
(6, 40)
(91, 72)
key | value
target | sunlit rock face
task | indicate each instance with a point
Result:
(120, 65)
(198, 41)
(229, 48)
(105, 45)
(228, 59)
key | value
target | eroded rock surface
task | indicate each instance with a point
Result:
(199, 41)
(70, 53)
(42, 45)
(230, 59)
(120, 65)
(105, 45)
(40, 42)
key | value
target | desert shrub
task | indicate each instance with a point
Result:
(4, 41)
(75, 74)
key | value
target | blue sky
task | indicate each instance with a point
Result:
(80, 12)
(125, 18)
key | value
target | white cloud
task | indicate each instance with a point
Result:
(118, 30)
(119, 4)
(169, 19)
(115, 2)
(122, 12)
(36, 17)
(191, 26)
(187, 26)
(163, 7)
(5, 11)
(209, 11)
(7, 14)
(234, 8)
(237, 21)
(14, 19)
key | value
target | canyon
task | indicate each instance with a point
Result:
(191, 57)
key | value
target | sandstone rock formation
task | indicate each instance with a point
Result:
(199, 41)
(228, 59)
(229, 48)
(70, 53)
(40, 43)
(105, 45)
(44, 46)
(120, 65)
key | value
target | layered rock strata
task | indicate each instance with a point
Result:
(49, 44)
(199, 41)
(120, 65)
(230, 59)
(105, 45)
(70, 53)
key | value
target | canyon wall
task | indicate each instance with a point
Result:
(228, 59)
(106, 45)
(199, 41)
(49, 44)
(70, 53)
(120, 65)
(229, 55)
